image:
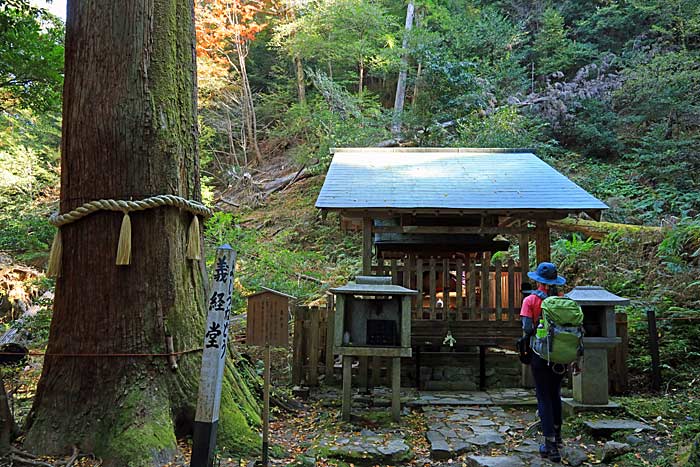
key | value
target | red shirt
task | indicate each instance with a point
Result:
(532, 305)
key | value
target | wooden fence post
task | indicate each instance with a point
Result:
(330, 339)
(654, 350)
(313, 345)
(213, 359)
(298, 347)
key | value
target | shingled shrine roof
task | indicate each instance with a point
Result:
(469, 180)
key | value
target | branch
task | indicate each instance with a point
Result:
(23, 460)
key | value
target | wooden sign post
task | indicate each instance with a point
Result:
(266, 410)
(213, 359)
(268, 325)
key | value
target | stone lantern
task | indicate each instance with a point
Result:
(373, 319)
(591, 384)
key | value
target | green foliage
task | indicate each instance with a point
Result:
(554, 50)
(278, 262)
(28, 175)
(31, 58)
(592, 131)
(567, 251)
(503, 128)
(320, 125)
(661, 88)
(344, 37)
(680, 248)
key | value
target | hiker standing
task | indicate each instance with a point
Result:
(548, 376)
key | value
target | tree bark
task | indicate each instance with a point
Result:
(129, 131)
(301, 86)
(360, 84)
(403, 74)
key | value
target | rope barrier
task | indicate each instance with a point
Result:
(195, 207)
(34, 353)
(193, 250)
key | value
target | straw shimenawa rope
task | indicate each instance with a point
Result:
(124, 246)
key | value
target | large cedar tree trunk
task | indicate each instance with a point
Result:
(129, 131)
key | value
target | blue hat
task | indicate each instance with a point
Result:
(546, 273)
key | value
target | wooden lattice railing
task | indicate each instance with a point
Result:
(456, 289)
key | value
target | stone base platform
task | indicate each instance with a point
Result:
(570, 407)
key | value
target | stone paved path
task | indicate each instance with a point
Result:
(447, 429)
(489, 435)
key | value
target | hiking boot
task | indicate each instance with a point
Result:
(557, 437)
(549, 450)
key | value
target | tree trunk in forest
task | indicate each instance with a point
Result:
(250, 121)
(362, 76)
(301, 86)
(6, 420)
(403, 74)
(129, 131)
(414, 96)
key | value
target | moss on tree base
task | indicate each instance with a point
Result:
(138, 429)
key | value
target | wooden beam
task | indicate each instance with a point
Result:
(390, 212)
(524, 250)
(367, 246)
(542, 242)
(443, 229)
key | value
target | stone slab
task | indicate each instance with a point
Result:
(495, 461)
(485, 439)
(608, 427)
(571, 407)
(574, 456)
(529, 446)
(440, 450)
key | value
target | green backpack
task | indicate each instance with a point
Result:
(559, 335)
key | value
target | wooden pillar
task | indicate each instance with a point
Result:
(330, 341)
(363, 374)
(347, 387)
(367, 246)
(524, 250)
(376, 370)
(396, 388)
(298, 349)
(542, 242)
(266, 410)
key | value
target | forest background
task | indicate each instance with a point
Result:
(606, 91)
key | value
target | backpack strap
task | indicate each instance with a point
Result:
(539, 293)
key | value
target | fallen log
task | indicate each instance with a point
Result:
(599, 230)
(283, 182)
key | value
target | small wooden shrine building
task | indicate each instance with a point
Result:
(433, 218)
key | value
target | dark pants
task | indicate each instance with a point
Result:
(548, 389)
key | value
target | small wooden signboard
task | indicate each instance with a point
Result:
(268, 318)
(268, 326)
